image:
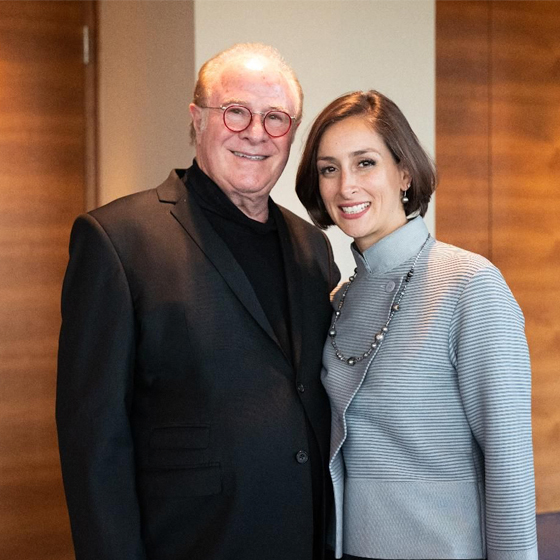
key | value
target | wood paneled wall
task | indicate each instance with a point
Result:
(498, 153)
(42, 188)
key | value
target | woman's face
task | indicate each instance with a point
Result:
(359, 181)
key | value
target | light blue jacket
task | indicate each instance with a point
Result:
(431, 451)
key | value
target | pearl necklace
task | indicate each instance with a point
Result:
(382, 333)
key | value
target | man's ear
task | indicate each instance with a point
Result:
(295, 126)
(196, 116)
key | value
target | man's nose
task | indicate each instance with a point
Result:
(255, 132)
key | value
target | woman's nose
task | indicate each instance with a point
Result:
(348, 185)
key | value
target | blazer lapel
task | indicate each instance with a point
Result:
(294, 282)
(191, 218)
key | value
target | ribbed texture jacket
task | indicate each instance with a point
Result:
(431, 451)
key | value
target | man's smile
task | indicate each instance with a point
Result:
(253, 157)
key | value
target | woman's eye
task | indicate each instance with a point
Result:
(367, 163)
(327, 170)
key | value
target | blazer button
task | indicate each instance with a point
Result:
(302, 457)
(301, 387)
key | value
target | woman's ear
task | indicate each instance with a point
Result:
(406, 179)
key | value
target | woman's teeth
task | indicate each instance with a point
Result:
(355, 209)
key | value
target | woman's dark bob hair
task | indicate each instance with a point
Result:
(388, 121)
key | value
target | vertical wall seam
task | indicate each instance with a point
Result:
(490, 134)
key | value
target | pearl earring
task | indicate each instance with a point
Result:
(404, 197)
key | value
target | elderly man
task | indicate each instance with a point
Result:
(192, 421)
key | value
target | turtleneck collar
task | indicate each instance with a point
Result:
(210, 197)
(394, 249)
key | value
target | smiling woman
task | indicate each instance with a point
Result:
(425, 364)
(384, 131)
(359, 178)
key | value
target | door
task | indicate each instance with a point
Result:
(498, 153)
(45, 137)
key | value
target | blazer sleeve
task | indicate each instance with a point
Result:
(334, 272)
(95, 377)
(490, 353)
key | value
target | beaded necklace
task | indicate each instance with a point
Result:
(382, 333)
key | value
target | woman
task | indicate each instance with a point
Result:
(426, 362)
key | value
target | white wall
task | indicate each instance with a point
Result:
(335, 46)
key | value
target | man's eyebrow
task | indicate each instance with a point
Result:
(245, 104)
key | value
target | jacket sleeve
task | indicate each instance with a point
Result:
(95, 376)
(489, 350)
(334, 272)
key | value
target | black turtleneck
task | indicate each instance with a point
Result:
(255, 246)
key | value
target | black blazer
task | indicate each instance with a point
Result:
(181, 422)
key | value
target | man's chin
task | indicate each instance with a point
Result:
(257, 183)
(249, 187)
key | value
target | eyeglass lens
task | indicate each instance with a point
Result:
(276, 123)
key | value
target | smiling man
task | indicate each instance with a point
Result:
(192, 421)
(242, 154)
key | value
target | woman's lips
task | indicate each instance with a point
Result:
(354, 210)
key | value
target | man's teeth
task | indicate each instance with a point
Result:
(254, 158)
(355, 209)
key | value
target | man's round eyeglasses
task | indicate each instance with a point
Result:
(237, 118)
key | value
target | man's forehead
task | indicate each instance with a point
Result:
(239, 83)
(250, 72)
(256, 62)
